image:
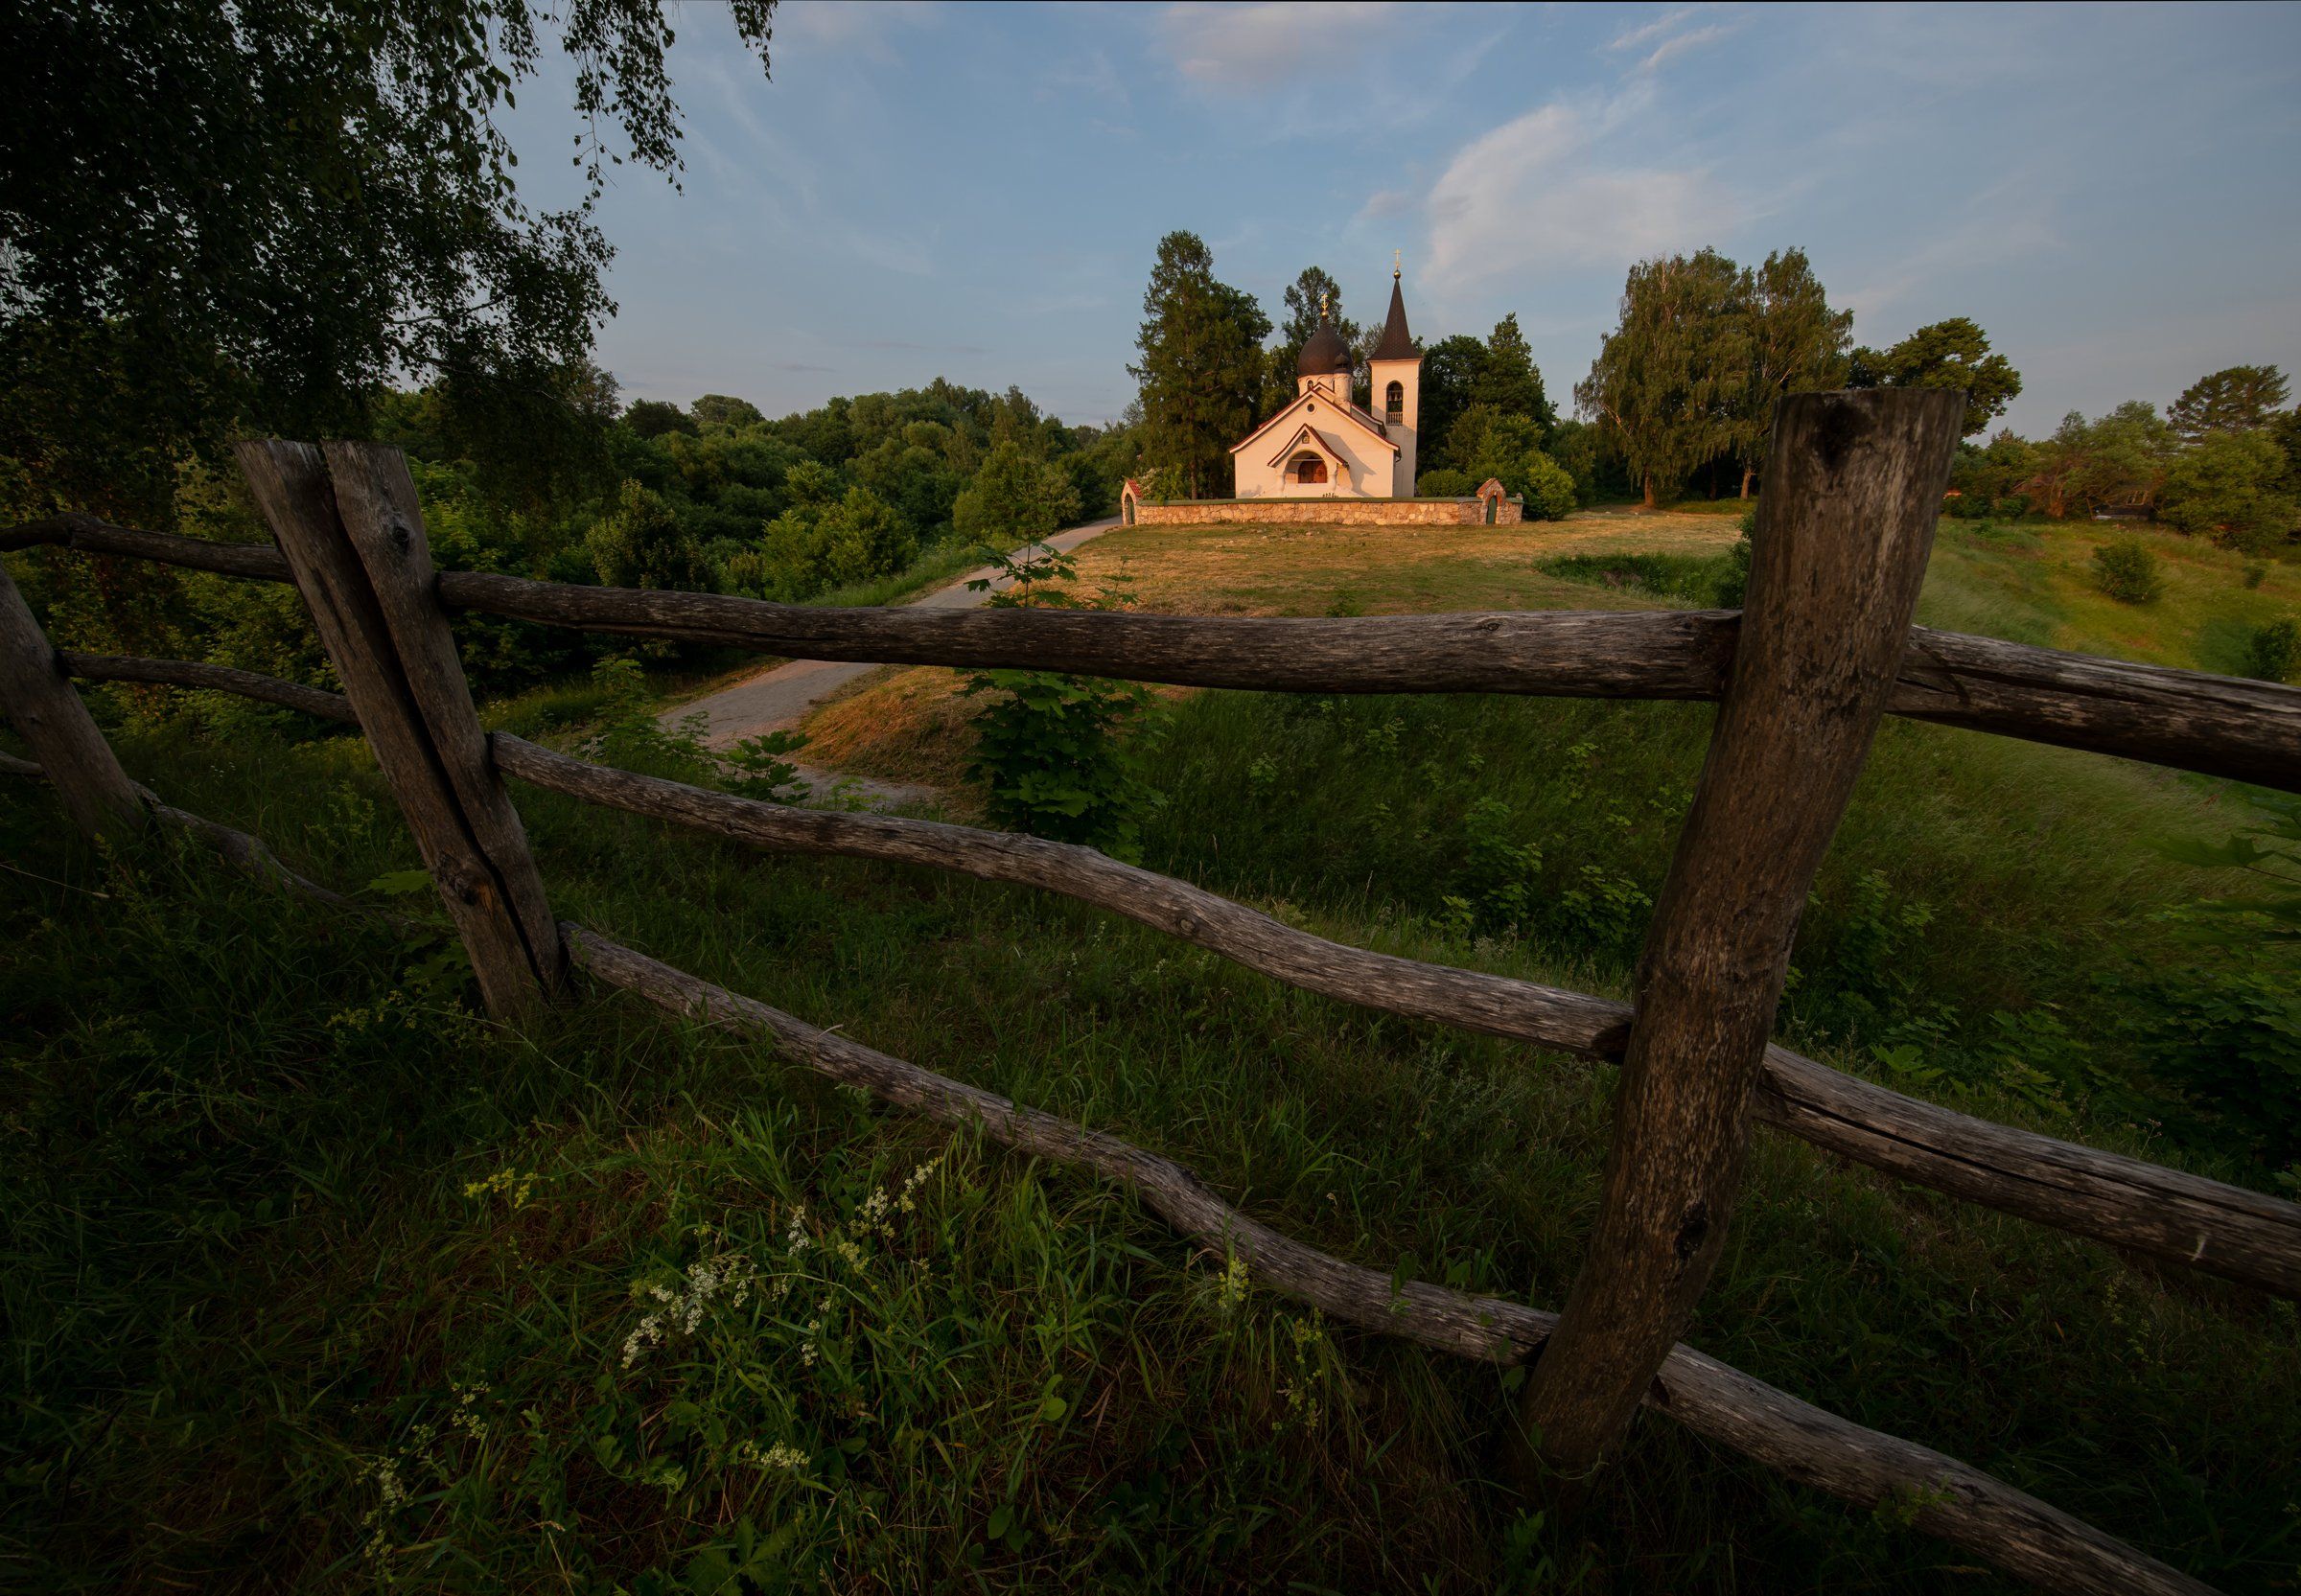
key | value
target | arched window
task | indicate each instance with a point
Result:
(1394, 400)
(1307, 468)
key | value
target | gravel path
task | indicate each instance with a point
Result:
(780, 696)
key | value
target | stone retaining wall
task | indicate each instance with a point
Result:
(1333, 512)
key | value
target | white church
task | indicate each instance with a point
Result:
(1323, 446)
(1323, 460)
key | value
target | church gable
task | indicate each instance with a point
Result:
(1306, 404)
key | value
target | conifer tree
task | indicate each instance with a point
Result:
(1953, 354)
(1202, 365)
(1507, 379)
(2242, 399)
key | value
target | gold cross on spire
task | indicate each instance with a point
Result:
(1398, 263)
(1321, 304)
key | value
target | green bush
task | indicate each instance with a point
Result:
(2256, 573)
(1446, 482)
(1547, 487)
(2276, 650)
(2128, 572)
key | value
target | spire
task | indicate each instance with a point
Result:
(1398, 344)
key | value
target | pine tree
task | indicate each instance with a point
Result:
(1203, 366)
(1507, 379)
(1953, 354)
(2242, 399)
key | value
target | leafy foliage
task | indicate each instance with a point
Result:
(2274, 654)
(2230, 487)
(2128, 572)
(258, 215)
(1668, 378)
(1953, 354)
(1203, 366)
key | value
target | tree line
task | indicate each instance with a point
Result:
(2223, 461)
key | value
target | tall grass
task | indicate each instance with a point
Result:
(311, 1282)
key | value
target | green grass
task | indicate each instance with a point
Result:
(266, 1310)
(309, 1282)
(2033, 582)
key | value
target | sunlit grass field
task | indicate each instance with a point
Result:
(313, 1283)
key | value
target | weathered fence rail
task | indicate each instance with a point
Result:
(1846, 537)
(2188, 720)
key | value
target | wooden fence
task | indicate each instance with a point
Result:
(1823, 649)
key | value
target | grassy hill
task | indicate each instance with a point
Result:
(313, 1283)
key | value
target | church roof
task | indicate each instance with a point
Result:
(1323, 352)
(1398, 344)
(1304, 403)
(1324, 444)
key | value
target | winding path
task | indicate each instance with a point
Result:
(780, 697)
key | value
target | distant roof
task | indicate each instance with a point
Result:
(1398, 344)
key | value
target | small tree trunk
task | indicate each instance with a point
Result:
(1652, 499)
(44, 707)
(1747, 472)
(1854, 482)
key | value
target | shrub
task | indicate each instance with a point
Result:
(2128, 572)
(2276, 650)
(1015, 496)
(1548, 489)
(1446, 482)
(1062, 757)
(2256, 573)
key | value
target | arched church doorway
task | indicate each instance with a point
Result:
(1306, 467)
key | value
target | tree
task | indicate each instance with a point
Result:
(1202, 364)
(1014, 496)
(1450, 369)
(640, 543)
(256, 215)
(1992, 478)
(1796, 345)
(2086, 465)
(1953, 354)
(652, 418)
(2230, 488)
(1668, 378)
(2240, 399)
(725, 412)
(1507, 379)
(1302, 299)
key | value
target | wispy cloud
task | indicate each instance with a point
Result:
(1260, 46)
(1667, 36)
(1537, 191)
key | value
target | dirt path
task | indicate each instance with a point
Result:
(780, 696)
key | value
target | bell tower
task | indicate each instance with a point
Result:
(1396, 367)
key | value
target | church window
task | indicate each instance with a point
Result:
(1394, 400)
(1309, 468)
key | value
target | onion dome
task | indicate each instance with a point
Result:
(1324, 354)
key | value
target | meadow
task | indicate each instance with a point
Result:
(314, 1281)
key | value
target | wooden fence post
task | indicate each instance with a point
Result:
(45, 707)
(1853, 486)
(354, 538)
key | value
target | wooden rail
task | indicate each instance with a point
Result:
(2188, 720)
(2168, 1215)
(1847, 535)
(1953, 1500)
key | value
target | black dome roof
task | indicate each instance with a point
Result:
(1324, 354)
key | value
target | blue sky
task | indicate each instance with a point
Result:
(977, 191)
